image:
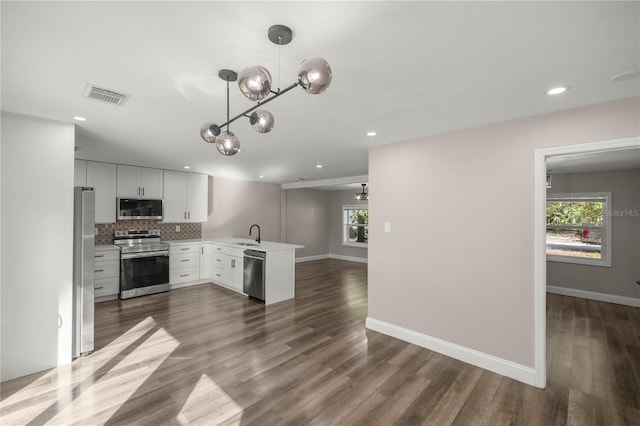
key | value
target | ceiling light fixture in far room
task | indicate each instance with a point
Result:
(557, 90)
(362, 196)
(626, 75)
(187, 167)
(78, 118)
(254, 82)
(371, 133)
(318, 166)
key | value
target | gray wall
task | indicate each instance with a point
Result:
(621, 278)
(445, 271)
(234, 205)
(307, 220)
(337, 200)
(37, 217)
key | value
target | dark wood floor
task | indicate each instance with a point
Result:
(206, 355)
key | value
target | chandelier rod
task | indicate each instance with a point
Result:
(259, 104)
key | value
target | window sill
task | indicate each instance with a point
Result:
(359, 245)
(580, 261)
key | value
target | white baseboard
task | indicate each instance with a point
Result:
(592, 295)
(310, 258)
(348, 258)
(331, 256)
(501, 366)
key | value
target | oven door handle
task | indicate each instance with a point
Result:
(126, 256)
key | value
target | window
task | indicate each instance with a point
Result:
(355, 225)
(579, 228)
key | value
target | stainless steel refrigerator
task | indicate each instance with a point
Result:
(83, 270)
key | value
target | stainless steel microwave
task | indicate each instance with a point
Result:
(139, 208)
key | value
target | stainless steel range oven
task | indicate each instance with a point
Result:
(144, 263)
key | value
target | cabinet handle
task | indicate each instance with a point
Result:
(218, 248)
(185, 248)
(99, 270)
(98, 288)
(185, 215)
(218, 275)
(233, 263)
(185, 260)
(99, 255)
(189, 214)
(218, 260)
(143, 190)
(138, 190)
(202, 250)
(184, 275)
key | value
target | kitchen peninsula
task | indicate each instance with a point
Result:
(222, 261)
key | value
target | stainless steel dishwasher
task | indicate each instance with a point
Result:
(254, 273)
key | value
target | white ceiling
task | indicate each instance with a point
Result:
(402, 69)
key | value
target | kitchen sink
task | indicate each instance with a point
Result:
(247, 244)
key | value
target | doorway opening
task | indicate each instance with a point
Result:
(540, 232)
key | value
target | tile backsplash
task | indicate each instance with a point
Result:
(188, 231)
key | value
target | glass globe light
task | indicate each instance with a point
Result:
(227, 143)
(315, 75)
(262, 120)
(255, 82)
(209, 131)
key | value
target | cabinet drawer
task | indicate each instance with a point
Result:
(184, 260)
(111, 255)
(184, 275)
(219, 276)
(106, 269)
(106, 287)
(190, 248)
(231, 251)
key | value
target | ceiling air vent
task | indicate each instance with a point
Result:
(101, 94)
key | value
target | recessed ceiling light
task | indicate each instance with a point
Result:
(556, 90)
(187, 167)
(371, 133)
(318, 166)
(261, 176)
(78, 118)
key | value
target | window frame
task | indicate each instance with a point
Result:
(346, 224)
(605, 238)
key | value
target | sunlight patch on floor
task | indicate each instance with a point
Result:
(103, 398)
(207, 404)
(67, 378)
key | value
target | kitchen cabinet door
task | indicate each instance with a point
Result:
(197, 197)
(151, 181)
(80, 173)
(139, 182)
(102, 177)
(175, 196)
(235, 273)
(206, 261)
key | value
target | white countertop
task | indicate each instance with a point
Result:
(106, 247)
(265, 246)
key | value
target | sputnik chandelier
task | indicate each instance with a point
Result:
(255, 84)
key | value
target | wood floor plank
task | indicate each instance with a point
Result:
(207, 355)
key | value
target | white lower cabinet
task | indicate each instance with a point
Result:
(106, 272)
(227, 267)
(184, 263)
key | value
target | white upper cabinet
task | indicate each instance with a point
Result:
(102, 177)
(142, 182)
(80, 173)
(197, 197)
(185, 197)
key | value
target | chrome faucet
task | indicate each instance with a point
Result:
(251, 229)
